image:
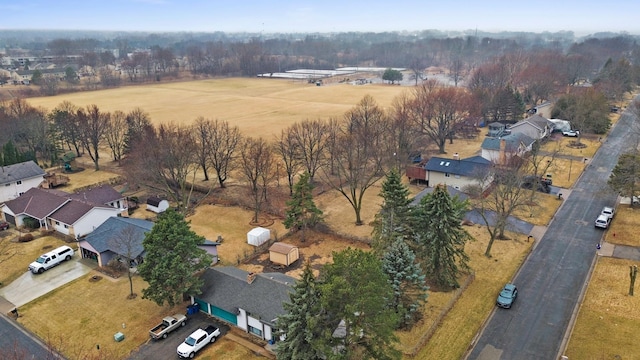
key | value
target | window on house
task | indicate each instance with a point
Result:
(447, 175)
(57, 222)
(19, 182)
(66, 226)
(255, 331)
(9, 184)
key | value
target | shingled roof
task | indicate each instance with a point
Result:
(21, 171)
(37, 203)
(465, 167)
(101, 239)
(227, 288)
(100, 195)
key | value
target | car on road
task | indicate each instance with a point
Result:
(571, 133)
(4, 225)
(602, 221)
(608, 211)
(507, 296)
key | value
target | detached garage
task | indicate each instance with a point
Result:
(283, 254)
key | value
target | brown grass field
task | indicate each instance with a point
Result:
(25, 253)
(607, 324)
(262, 107)
(259, 107)
(624, 226)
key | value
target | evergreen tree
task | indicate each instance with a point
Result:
(391, 220)
(440, 238)
(302, 212)
(297, 324)
(10, 154)
(625, 176)
(407, 280)
(355, 292)
(172, 260)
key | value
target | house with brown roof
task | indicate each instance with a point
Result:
(103, 195)
(53, 210)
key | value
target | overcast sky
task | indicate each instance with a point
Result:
(269, 16)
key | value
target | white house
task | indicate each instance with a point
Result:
(535, 127)
(457, 172)
(500, 150)
(57, 211)
(16, 179)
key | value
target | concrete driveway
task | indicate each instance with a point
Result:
(29, 287)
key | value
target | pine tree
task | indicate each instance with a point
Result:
(297, 324)
(407, 280)
(172, 260)
(440, 238)
(355, 292)
(302, 212)
(392, 219)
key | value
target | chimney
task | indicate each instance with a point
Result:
(456, 156)
(250, 277)
(503, 156)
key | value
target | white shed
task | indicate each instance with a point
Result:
(157, 205)
(258, 236)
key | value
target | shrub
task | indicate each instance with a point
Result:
(31, 223)
(25, 238)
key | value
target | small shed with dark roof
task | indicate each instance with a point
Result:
(283, 254)
(157, 205)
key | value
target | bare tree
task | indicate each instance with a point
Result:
(116, 134)
(202, 132)
(163, 160)
(127, 243)
(289, 153)
(436, 111)
(224, 144)
(310, 137)
(505, 197)
(65, 121)
(407, 137)
(92, 125)
(257, 162)
(138, 122)
(360, 155)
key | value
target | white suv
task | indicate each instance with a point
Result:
(602, 221)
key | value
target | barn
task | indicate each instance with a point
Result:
(283, 254)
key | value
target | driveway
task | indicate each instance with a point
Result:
(166, 348)
(29, 287)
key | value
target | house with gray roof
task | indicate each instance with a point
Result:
(535, 127)
(457, 172)
(500, 150)
(249, 301)
(117, 237)
(16, 179)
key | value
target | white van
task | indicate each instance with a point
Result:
(51, 259)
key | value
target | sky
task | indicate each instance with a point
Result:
(285, 16)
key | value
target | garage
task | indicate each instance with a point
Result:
(224, 315)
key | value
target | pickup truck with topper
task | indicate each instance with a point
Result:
(197, 341)
(167, 325)
(51, 259)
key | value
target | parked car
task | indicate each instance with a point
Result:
(4, 225)
(602, 221)
(167, 325)
(608, 212)
(540, 184)
(198, 340)
(507, 296)
(51, 259)
(571, 133)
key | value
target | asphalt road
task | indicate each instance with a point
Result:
(16, 343)
(552, 279)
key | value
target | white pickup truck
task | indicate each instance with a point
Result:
(51, 259)
(198, 340)
(167, 325)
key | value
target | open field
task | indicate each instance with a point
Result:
(624, 227)
(259, 107)
(607, 324)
